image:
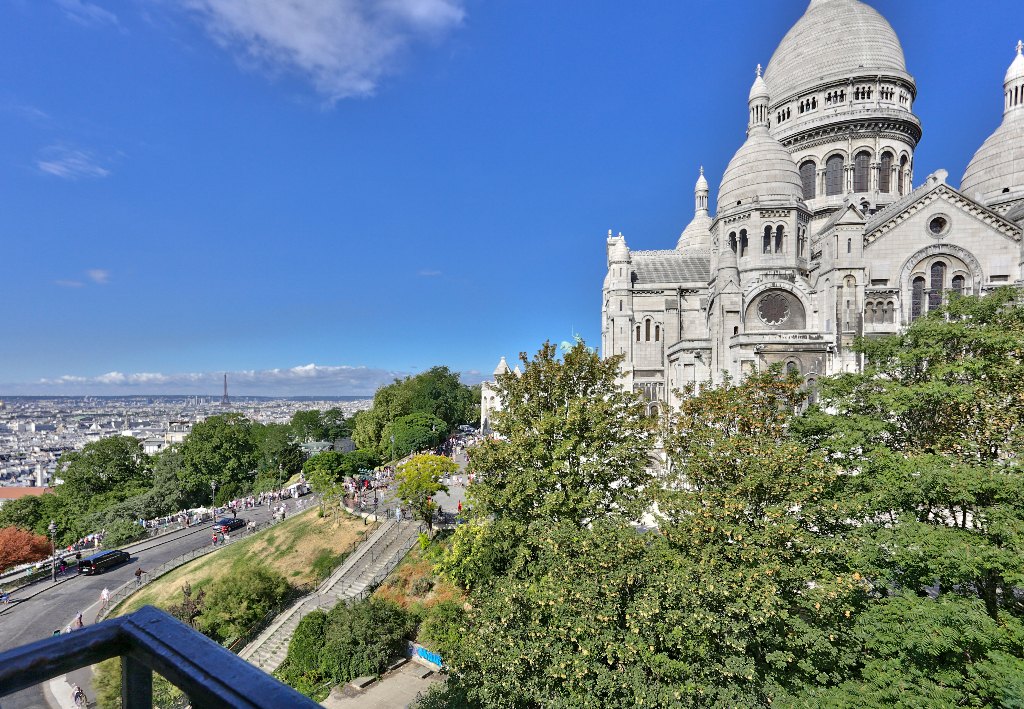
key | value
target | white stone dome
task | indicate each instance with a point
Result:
(833, 39)
(1016, 70)
(762, 168)
(997, 170)
(998, 166)
(697, 234)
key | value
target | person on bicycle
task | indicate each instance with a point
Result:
(78, 696)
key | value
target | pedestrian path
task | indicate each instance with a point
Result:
(366, 567)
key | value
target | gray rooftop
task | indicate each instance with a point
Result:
(671, 267)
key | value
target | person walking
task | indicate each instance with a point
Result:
(79, 621)
(104, 598)
(138, 575)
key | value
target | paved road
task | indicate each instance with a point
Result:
(37, 618)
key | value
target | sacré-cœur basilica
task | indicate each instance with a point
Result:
(819, 235)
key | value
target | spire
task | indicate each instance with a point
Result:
(758, 102)
(1013, 84)
(700, 194)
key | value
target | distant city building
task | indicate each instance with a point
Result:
(819, 235)
(16, 493)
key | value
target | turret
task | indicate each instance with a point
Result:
(758, 102)
(1013, 84)
(700, 195)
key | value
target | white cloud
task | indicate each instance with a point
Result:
(344, 47)
(87, 13)
(302, 380)
(99, 276)
(70, 164)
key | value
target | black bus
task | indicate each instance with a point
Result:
(96, 563)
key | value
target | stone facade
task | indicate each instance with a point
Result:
(819, 236)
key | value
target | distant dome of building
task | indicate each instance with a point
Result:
(996, 171)
(762, 168)
(833, 39)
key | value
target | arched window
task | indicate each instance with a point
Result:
(890, 312)
(861, 170)
(938, 275)
(647, 330)
(885, 173)
(638, 332)
(779, 233)
(801, 242)
(743, 242)
(849, 246)
(834, 175)
(792, 368)
(766, 241)
(917, 298)
(958, 285)
(901, 177)
(808, 172)
(732, 241)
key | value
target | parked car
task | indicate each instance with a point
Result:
(97, 563)
(227, 524)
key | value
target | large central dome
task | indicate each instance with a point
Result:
(833, 39)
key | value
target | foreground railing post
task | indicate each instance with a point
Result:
(136, 684)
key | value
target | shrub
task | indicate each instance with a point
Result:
(442, 628)
(235, 602)
(361, 639)
(351, 641)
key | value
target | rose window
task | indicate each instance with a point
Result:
(773, 309)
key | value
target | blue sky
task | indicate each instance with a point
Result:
(320, 195)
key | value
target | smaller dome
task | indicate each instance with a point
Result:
(702, 182)
(697, 234)
(618, 252)
(1016, 70)
(760, 89)
(761, 169)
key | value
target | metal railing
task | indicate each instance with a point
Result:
(149, 641)
(126, 589)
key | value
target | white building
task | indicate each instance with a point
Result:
(818, 236)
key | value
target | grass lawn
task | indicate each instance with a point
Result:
(295, 547)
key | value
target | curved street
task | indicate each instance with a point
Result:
(26, 621)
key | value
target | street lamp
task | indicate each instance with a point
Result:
(52, 527)
(213, 495)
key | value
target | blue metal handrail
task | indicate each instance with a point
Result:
(150, 641)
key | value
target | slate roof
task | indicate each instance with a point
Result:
(672, 267)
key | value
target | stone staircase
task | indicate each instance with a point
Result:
(361, 571)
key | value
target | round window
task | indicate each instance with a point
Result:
(773, 309)
(938, 226)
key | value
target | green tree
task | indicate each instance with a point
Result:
(419, 479)
(414, 432)
(750, 513)
(324, 473)
(103, 472)
(575, 446)
(222, 449)
(278, 451)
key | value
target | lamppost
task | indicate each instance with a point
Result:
(213, 494)
(52, 527)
